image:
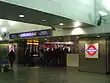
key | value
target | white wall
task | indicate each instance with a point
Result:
(16, 27)
(82, 10)
(105, 28)
(73, 60)
(24, 27)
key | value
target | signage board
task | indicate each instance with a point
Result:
(91, 50)
(31, 34)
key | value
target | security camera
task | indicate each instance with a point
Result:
(101, 15)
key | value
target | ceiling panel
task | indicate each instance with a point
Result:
(12, 12)
(16, 27)
(82, 10)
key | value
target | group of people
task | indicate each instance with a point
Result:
(54, 56)
(47, 57)
(51, 56)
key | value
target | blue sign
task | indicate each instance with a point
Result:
(43, 33)
(28, 34)
(31, 34)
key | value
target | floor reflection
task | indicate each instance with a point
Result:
(51, 75)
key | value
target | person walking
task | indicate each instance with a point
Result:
(11, 56)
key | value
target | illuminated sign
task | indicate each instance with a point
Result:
(43, 33)
(91, 50)
(31, 34)
(24, 35)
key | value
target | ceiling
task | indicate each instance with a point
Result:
(17, 27)
(12, 12)
(81, 10)
(103, 5)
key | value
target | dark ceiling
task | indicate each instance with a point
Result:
(12, 12)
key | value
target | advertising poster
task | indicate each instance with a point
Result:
(92, 50)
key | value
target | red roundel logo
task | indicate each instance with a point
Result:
(91, 50)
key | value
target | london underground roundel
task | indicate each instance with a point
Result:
(91, 50)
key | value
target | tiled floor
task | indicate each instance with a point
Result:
(51, 75)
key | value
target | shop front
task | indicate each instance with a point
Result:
(28, 46)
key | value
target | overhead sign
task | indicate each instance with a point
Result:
(91, 50)
(28, 34)
(31, 34)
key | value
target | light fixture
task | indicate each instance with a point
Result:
(4, 29)
(21, 16)
(61, 24)
(77, 24)
(98, 36)
(102, 13)
(1, 38)
(78, 31)
(43, 20)
(12, 23)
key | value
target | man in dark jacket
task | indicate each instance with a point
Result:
(27, 57)
(11, 56)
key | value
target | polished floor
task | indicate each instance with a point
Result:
(51, 75)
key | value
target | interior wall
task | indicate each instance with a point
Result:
(108, 53)
(72, 60)
(4, 50)
(93, 65)
(21, 52)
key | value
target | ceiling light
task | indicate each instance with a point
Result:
(12, 22)
(98, 36)
(77, 24)
(102, 13)
(77, 31)
(1, 38)
(21, 16)
(61, 24)
(4, 29)
(43, 20)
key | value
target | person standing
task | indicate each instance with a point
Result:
(27, 57)
(11, 56)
